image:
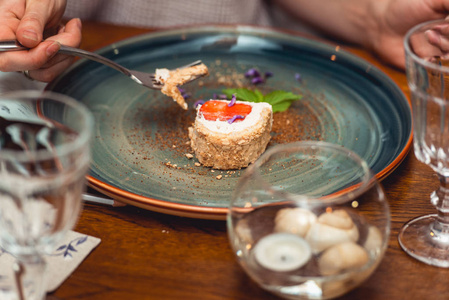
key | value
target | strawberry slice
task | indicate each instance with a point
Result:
(213, 110)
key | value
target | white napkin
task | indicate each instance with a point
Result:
(68, 255)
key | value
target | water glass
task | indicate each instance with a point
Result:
(45, 154)
(426, 238)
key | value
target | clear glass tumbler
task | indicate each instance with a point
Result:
(44, 157)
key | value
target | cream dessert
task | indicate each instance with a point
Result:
(230, 134)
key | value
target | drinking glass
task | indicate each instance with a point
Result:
(44, 156)
(426, 238)
(308, 220)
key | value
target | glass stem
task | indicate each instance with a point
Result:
(29, 276)
(440, 199)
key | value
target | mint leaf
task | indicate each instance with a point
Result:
(244, 94)
(281, 106)
(279, 100)
(260, 97)
(279, 96)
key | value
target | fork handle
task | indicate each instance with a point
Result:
(13, 45)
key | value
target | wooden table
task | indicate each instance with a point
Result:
(147, 255)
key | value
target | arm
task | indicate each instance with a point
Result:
(35, 24)
(378, 25)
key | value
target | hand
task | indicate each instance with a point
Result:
(379, 25)
(36, 24)
(395, 18)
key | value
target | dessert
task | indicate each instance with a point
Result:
(230, 134)
(171, 80)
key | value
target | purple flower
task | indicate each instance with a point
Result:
(232, 100)
(257, 80)
(230, 121)
(199, 102)
(268, 74)
(252, 73)
(183, 92)
(298, 77)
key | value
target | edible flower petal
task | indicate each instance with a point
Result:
(257, 80)
(234, 97)
(230, 121)
(252, 73)
(219, 96)
(199, 102)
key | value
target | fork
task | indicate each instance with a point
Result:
(146, 79)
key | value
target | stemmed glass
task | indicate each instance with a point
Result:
(426, 238)
(309, 220)
(44, 157)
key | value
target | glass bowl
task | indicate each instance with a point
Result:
(309, 220)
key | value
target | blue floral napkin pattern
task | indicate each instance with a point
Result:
(74, 248)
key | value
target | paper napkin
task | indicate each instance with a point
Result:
(68, 255)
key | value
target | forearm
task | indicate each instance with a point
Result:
(348, 20)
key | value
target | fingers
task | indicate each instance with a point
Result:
(28, 60)
(48, 74)
(438, 36)
(438, 39)
(32, 24)
(69, 35)
(43, 62)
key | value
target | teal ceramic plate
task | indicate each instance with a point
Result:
(140, 139)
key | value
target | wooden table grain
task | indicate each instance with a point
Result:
(147, 255)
